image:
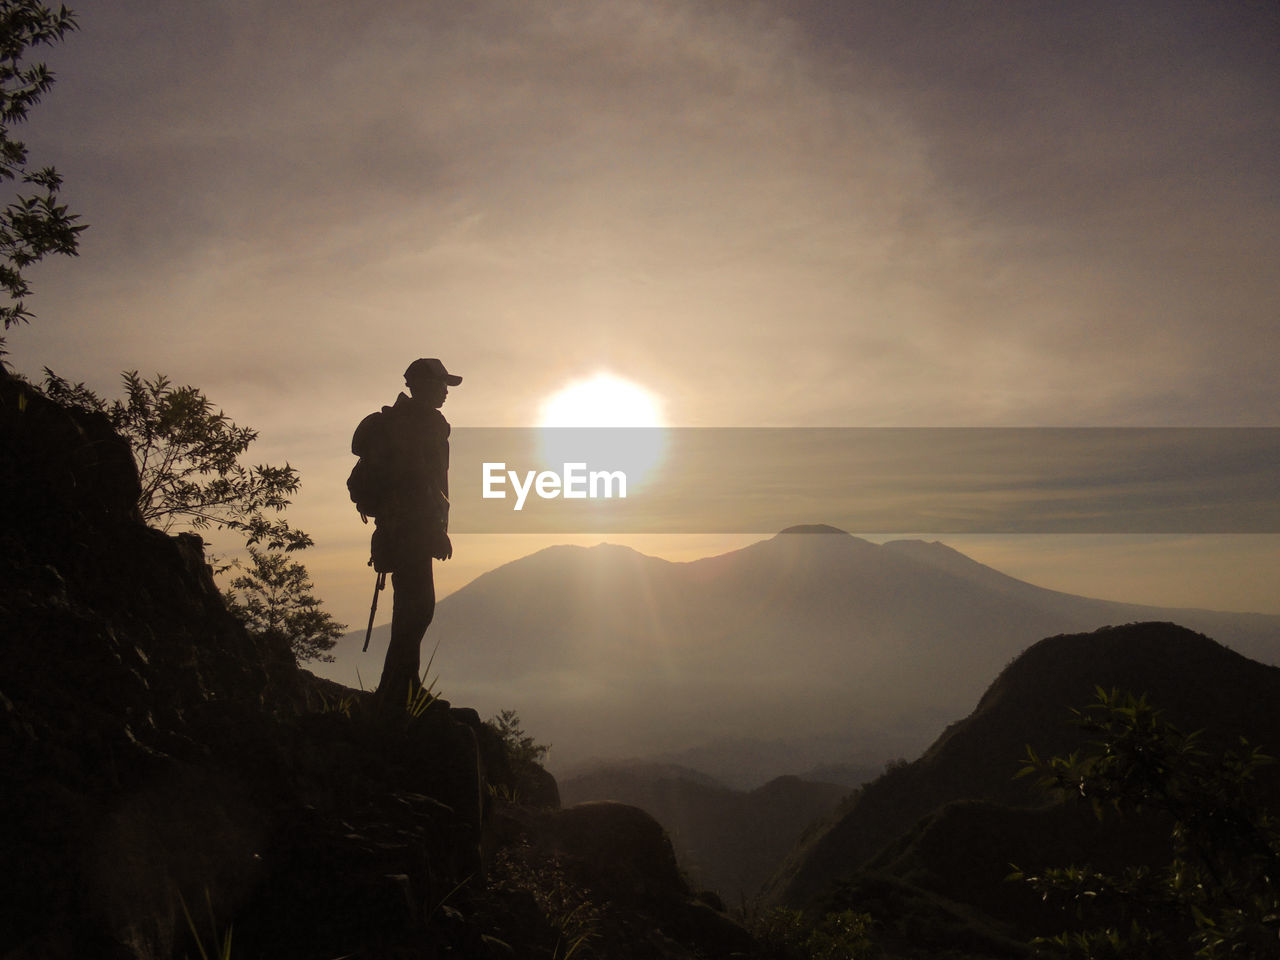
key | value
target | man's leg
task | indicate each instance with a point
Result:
(413, 605)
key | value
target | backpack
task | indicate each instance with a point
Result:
(369, 477)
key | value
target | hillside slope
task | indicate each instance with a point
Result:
(955, 799)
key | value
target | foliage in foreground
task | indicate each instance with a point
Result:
(188, 459)
(842, 935)
(1219, 888)
(34, 224)
(566, 906)
(278, 602)
(519, 746)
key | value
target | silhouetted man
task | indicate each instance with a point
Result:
(413, 521)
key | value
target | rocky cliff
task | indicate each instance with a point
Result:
(172, 782)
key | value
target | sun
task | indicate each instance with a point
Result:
(607, 423)
(602, 401)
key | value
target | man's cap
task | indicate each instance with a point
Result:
(430, 368)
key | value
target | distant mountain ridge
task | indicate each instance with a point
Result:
(605, 651)
(730, 841)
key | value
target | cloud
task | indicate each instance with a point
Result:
(923, 217)
(791, 213)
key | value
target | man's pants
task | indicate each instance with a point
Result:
(413, 593)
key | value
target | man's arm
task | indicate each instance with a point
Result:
(443, 549)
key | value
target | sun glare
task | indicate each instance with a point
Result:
(602, 404)
(602, 401)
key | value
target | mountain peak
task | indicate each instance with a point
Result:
(814, 528)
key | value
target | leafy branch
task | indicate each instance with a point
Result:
(35, 224)
(188, 457)
(278, 602)
(1221, 883)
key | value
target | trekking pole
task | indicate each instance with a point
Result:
(377, 588)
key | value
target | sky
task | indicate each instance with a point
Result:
(777, 214)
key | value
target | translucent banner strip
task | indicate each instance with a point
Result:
(866, 480)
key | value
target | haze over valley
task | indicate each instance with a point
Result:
(811, 647)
